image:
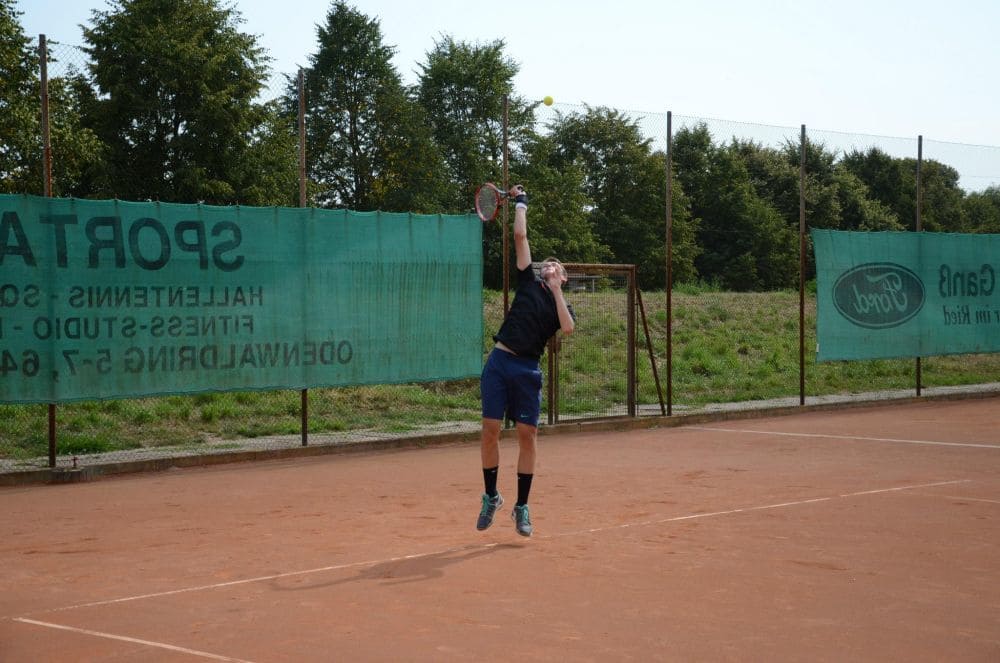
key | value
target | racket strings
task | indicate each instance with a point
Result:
(487, 202)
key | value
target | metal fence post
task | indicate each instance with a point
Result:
(919, 227)
(632, 374)
(802, 268)
(43, 58)
(304, 394)
(504, 218)
(552, 390)
(670, 265)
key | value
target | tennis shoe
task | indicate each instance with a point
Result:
(522, 520)
(490, 506)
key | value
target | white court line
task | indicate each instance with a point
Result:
(844, 437)
(970, 499)
(148, 643)
(338, 567)
(813, 500)
(276, 576)
(898, 488)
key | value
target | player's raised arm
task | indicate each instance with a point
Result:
(521, 247)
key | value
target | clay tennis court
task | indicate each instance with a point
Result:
(859, 534)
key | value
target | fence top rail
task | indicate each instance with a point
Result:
(592, 267)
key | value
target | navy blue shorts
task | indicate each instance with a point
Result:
(511, 384)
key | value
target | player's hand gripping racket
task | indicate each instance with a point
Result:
(489, 198)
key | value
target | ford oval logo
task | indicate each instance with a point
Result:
(878, 295)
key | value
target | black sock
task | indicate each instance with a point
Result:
(523, 488)
(490, 480)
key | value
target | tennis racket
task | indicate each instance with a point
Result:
(489, 198)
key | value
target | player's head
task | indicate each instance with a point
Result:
(552, 266)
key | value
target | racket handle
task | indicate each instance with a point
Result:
(521, 196)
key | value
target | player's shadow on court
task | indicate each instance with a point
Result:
(400, 571)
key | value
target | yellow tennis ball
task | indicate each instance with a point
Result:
(547, 101)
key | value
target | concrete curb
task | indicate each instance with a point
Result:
(90, 472)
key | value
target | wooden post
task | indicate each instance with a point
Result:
(43, 57)
(670, 264)
(504, 216)
(303, 394)
(802, 267)
(919, 227)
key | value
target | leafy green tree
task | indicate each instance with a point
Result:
(20, 170)
(626, 181)
(559, 207)
(684, 237)
(747, 243)
(941, 205)
(981, 211)
(558, 222)
(413, 178)
(368, 143)
(822, 192)
(76, 152)
(774, 175)
(859, 211)
(835, 198)
(693, 152)
(893, 182)
(176, 83)
(462, 87)
(887, 182)
(269, 172)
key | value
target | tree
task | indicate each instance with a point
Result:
(76, 151)
(627, 183)
(893, 182)
(683, 236)
(176, 83)
(369, 144)
(774, 176)
(693, 152)
(981, 212)
(461, 88)
(859, 211)
(887, 182)
(269, 173)
(941, 205)
(413, 178)
(747, 243)
(20, 170)
(559, 207)
(835, 198)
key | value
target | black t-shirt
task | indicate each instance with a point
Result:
(532, 319)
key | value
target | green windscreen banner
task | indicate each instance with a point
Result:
(904, 294)
(110, 299)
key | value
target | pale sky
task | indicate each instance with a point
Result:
(893, 68)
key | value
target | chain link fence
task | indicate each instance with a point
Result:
(727, 347)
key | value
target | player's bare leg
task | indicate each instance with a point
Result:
(490, 453)
(490, 442)
(527, 438)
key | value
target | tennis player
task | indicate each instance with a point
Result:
(511, 382)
